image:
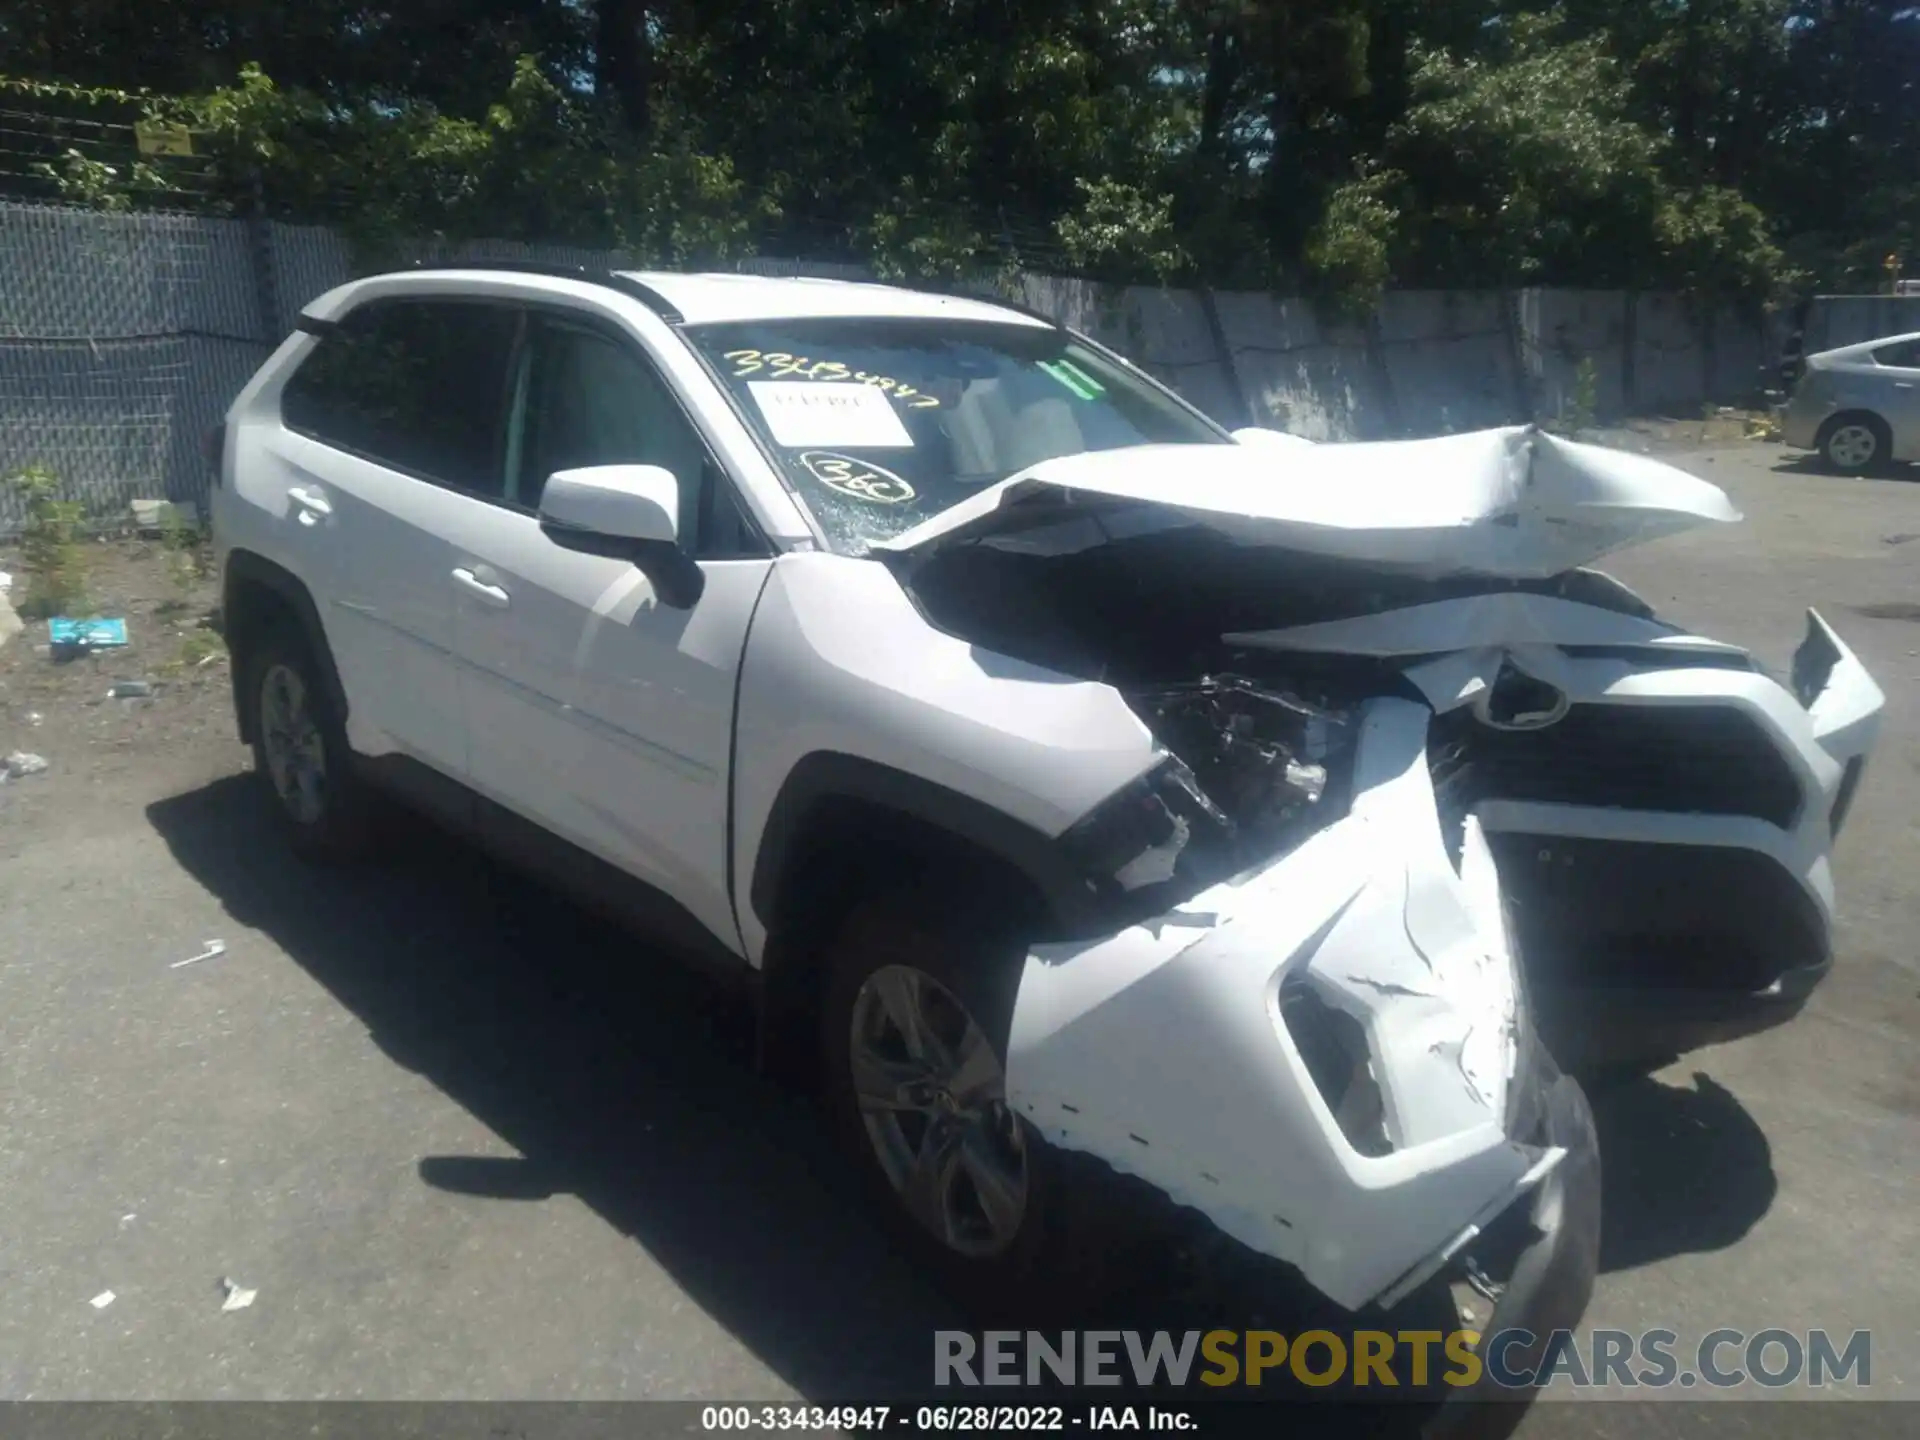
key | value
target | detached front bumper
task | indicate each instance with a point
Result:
(1321, 1057)
(1548, 1281)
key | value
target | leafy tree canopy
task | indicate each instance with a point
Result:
(1741, 146)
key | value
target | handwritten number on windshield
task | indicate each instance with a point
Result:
(778, 365)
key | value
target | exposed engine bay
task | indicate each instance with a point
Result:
(1625, 771)
(1265, 763)
(1413, 862)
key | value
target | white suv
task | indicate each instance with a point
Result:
(1069, 774)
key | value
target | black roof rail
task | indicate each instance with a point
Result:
(612, 279)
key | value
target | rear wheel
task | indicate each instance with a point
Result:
(1856, 443)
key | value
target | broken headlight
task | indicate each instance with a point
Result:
(1253, 771)
(1153, 844)
(1275, 762)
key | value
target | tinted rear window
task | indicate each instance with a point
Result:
(418, 385)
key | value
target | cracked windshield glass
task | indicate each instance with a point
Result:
(881, 424)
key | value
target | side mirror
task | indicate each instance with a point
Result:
(616, 502)
(1269, 439)
(625, 512)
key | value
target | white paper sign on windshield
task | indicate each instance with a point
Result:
(808, 412)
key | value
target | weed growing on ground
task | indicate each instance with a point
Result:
(198, 648)
(51, 552)
(186, 551)
(1583, 401)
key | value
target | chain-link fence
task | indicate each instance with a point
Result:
(118, 336)
(124, 338)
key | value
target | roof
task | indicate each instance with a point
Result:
(691, 299)
(1862, 347)
(712, 298)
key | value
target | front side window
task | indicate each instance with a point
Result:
(585, 398)
(418, 385)
(882, 423)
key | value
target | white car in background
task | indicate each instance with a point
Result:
(1859, 405)
(1066, 773)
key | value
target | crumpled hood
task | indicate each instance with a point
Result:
(1515, 502)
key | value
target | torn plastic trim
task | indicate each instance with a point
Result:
(1511, 502)
(1441, 1258)
(1548, 1284)
(1845, 707)
(1162, 1049)
(1841, 697)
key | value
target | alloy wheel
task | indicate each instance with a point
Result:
(290, 739)
(1853, 447)
(932, 1098)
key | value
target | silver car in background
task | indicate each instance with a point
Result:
(1859, 405)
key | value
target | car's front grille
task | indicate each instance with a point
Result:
(1704, 759)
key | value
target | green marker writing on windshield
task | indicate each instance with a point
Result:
(1074, 378)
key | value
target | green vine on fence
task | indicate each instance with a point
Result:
(56, 90)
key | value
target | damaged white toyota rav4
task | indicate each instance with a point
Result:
(1069, 774)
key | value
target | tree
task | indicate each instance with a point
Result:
(623, 61)
(1346, 144)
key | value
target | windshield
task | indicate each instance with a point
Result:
(883, 423)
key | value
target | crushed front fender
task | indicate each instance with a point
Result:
(1172, 1051)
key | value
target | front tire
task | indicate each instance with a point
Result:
(914, 1042)
(300, 753)
(1856, 444)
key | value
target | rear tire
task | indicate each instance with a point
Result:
(1856, 443)
(301, 754)
(914, 1042)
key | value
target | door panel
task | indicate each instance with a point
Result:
(387, 612)
(592, 708)
(397, 406)
(1903, 404)
(599, 713)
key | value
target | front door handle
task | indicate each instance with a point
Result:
(313, 506)
(480, 590)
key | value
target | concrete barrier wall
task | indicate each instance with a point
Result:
(1297, 374)
(1449, 358)
(1668, 356)
(1836, 320)
(1567, 328)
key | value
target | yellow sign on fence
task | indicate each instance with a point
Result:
(158, 139)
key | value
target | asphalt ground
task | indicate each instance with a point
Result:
(467, 1144)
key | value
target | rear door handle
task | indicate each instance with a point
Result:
(480, 590)
(314, 506)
